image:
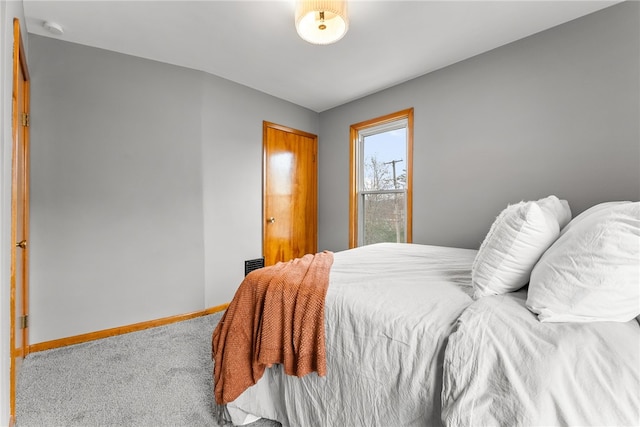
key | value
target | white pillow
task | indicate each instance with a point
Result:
(516, 239)
(592, 272)
(559, 208)
(593, 210)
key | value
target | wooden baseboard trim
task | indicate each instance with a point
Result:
(91, 336)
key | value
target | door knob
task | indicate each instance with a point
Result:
(22, 244)
(271, 220)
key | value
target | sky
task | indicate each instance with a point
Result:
(386, 147)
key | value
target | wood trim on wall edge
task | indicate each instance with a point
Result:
(106, 333)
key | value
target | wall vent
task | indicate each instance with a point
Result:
(253, 264)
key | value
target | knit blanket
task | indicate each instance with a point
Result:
(276, 316)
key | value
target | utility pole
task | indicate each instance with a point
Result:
(393, 165)
(396, 212)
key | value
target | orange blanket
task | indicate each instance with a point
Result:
(276, 316)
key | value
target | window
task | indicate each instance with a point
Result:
(381, 180)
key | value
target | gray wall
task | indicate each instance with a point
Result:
(146, 184)
(232, 167)
(555, 113)
(116, 190)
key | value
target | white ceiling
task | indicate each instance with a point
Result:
(255, 43)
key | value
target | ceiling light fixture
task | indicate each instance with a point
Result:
(321, 21)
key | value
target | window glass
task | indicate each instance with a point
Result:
(381, 180)
(384, 154)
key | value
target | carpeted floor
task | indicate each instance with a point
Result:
(156, 377)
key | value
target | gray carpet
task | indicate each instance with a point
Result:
(157, 377)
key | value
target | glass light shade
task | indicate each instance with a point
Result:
(321, 21)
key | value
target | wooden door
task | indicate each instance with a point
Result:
(19, 212)
(289, 193)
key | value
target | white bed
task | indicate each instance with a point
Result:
(389, 309)
(420, 335)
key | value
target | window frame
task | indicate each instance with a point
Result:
(361, 129)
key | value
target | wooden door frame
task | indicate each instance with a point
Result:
(269, 125)
(19, 65)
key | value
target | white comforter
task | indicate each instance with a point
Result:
(389, 310)
(503, 367)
